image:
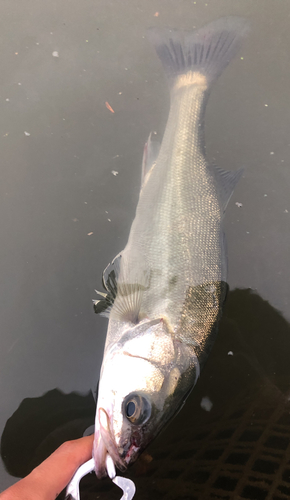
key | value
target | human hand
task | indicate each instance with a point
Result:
(47, 480)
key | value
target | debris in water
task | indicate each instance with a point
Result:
(75, 220)
(114, 172)
(156, 14)
(90, 234)
(26, 133)
(7, 99)
(55, 53)
(230, 353)
(109, 107)
(206, 404)
(239, 204)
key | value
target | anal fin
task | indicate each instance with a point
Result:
(227, 181)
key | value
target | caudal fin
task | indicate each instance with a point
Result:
(201, 54)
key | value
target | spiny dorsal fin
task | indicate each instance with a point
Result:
(110, 279)
(111, 274)
(102, 306)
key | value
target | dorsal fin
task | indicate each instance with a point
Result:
(150, 154)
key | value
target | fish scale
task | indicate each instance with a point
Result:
(183, 231)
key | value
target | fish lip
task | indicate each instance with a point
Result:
(104, 443)
(99, 455)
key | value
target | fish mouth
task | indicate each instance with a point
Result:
(104, 443)
(132, 453)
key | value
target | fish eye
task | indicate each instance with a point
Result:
(136, 408)
(131, 409)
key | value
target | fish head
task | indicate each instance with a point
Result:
(144, 381)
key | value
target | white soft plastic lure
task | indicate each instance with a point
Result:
(73, 488)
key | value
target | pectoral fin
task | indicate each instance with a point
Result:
(127, 306)
(122, 300)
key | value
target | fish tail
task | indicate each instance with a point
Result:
(198, 57)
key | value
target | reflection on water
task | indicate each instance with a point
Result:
(238, 449)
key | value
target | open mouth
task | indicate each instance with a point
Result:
(132, 452)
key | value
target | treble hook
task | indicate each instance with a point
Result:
(73, 488)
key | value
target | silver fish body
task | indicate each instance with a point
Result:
(166, 289)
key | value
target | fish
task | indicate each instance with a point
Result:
(164, 293)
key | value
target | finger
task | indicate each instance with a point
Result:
(47, 480)
(62, 464)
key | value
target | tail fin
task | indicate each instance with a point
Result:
(203, 53)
